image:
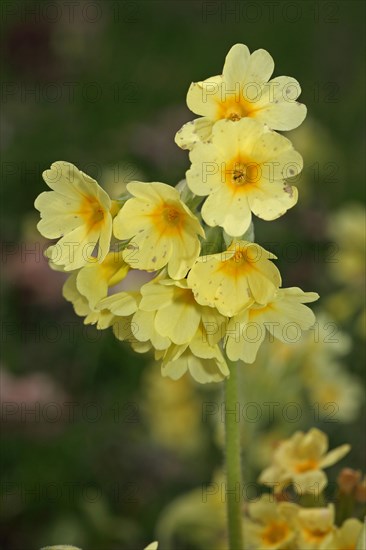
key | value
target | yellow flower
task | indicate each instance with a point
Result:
(284, 316)
(204, 361)
(242, 91)
(152, 546)
(177, 315)
(234, 279)
(183, 333)
(300, 460)
(346, 537)
(77, 211)
(243, 171)
(315, 527)
(87, 289)
(196, 519)
(331, 384)
(173, 410)
(347, 229)
(270, 525)
(163, 230)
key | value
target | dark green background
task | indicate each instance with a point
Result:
(106, 86)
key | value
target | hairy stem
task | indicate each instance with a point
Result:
(233, 461)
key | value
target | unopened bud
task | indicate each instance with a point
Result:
(360, 492)
(348, 479)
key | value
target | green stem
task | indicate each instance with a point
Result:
(233, 461)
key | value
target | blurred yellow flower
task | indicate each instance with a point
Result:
(338, 393)
(242, 91)
(167, 319)
(284, 316)
(300, 460)
(77, 211)
(152, 546)
(235, 279)
(315, 527)
(347, 228)
(162, 228)
(196, 519)
(243, 170)
(172, 411)
(346, 537)
(270, 525)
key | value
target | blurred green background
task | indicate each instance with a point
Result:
(103, 85)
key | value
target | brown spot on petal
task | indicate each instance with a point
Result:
(288, 189)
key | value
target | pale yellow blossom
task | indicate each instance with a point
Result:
(203, 360)
(78, 212)
(345, 537)
(163, 230)
(300, 460)
(243, 170)
(242, 91)
(315, 527)
(101, 292)
(235, 278)
(270, 525)
(284, 316)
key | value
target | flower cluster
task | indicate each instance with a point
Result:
(139, 263)
(301, 518)
(285, 525)
(275, 522)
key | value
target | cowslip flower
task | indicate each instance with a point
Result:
(163, 230)
(242, 91)
(300, 460)
(270, 525)
(88, 287)
(346, 537)
(78, 212)
(284, 316)
(164, 399)
(242, 170)
(183, 333)
(176, 314)
(315, 527)
(234, 279)
(204, 362)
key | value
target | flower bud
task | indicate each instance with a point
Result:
(348, 479)
(360, 492)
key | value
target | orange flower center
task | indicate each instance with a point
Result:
(306, 465)
(236, 266)
(168, 219)
(91, 211)
(315, 535)
(171, 215)
(241, 173)
(275, 533)
(234, 108)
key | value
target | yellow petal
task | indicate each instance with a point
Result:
(202, 97)
(236, 65)
(193, 132)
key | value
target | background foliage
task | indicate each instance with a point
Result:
(103, 85)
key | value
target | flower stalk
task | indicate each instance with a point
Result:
(233, 461)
